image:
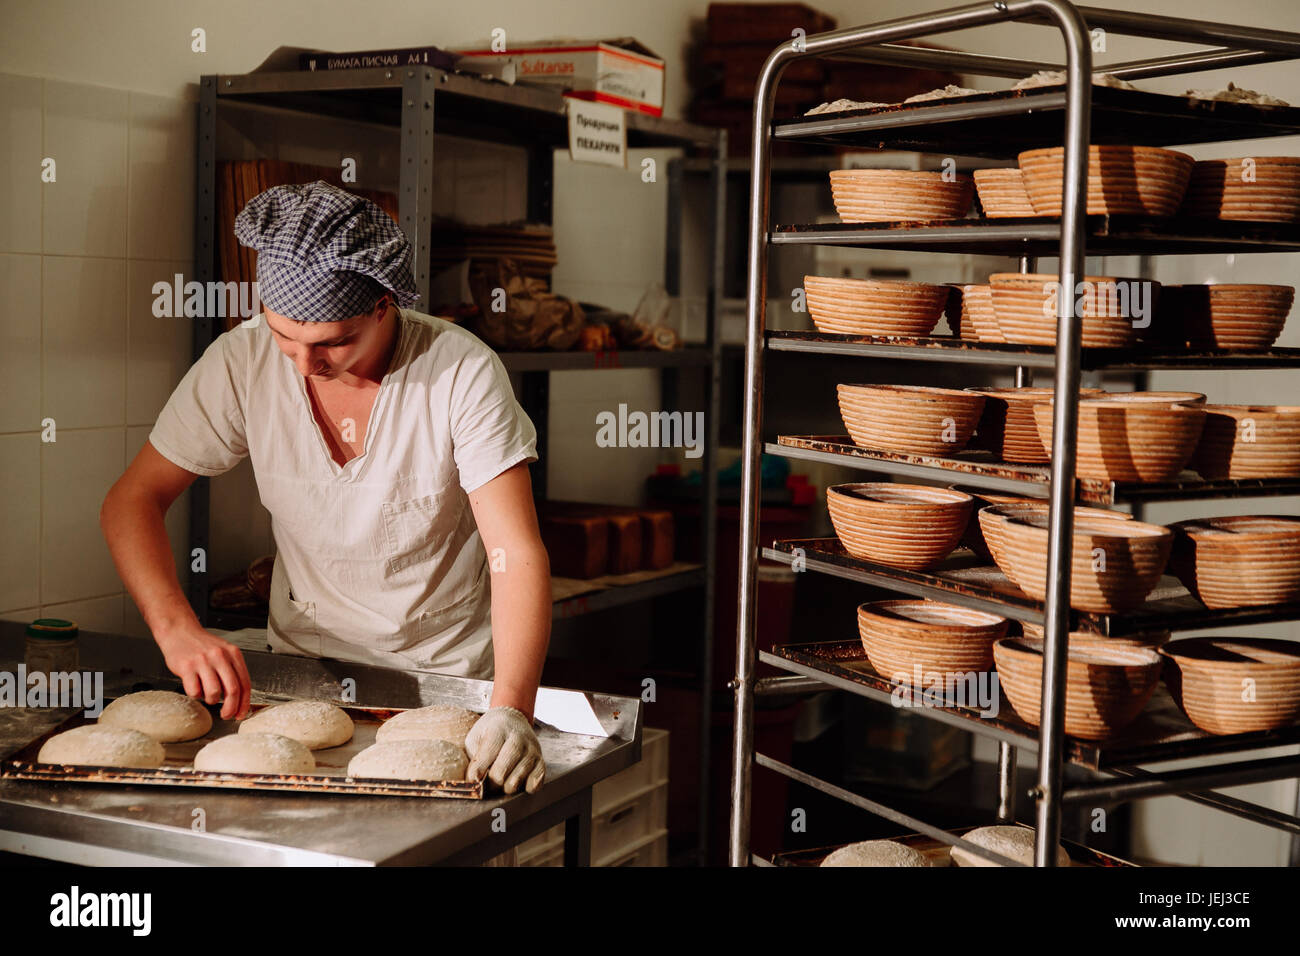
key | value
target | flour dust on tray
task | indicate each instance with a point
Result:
(411, 760)
(95, 746)
(316, 723)
(162, 714)
(437, 722)
(255, 753)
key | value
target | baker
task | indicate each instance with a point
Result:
(391, 453)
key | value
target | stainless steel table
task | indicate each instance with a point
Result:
(143, 825)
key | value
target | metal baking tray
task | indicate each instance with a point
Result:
(939, 853)
(1003, 123)
(178, 769)
(981, 468)
(1161, 732)
(970, 581)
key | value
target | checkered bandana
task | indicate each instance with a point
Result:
(323, 254)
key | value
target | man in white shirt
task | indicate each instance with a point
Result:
(393, 458)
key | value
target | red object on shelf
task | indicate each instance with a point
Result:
(801, 492)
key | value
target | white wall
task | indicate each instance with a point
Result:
(108, 90)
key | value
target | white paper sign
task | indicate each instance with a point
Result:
(597, 133)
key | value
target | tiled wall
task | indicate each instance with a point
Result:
(80, 347)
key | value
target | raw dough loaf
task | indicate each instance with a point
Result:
(1236, 94)
(438, 722)
(876, 853)
(411, 760)
(1015, 842)
(255, 753)
(839, 106)
(1057, 78)
(313, 722)
(162, 714)
(942, 93)
(96, 746)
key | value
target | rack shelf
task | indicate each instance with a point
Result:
(999, 125)
(942, 348)
(964, 580)
(679, 577)
(691, 356)
(465, 103)
(978, 469)
(1161, 733)
(1041, 236)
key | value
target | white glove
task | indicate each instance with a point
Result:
(502, 745)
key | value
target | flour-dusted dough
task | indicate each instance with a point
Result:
(876, 853)
(313, 722)
(437, 722)
(1236, 94)
(1014, 842)
(255, 753)
(839, 106)
(162, 714)
(942, 93)
(411, 760)
(96, 746)
(1057, 78)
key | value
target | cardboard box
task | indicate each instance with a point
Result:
(621, 72)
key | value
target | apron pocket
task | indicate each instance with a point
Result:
(433, 623)
(292, 626)
(416, 531)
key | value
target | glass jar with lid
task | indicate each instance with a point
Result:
(51, 646)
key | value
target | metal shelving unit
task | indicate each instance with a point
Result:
(999, 125)
(420, 101)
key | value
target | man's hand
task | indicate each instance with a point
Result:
(503, 746)
(209, 667)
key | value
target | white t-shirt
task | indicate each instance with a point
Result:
(378, 560)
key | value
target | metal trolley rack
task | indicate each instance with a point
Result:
(421, 101)
(999, 125)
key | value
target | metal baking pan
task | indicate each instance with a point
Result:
(178, 769)
(939, 853)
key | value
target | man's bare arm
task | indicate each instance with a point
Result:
(132, 521)
(521, 586)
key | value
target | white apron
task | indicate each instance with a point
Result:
(378, 560)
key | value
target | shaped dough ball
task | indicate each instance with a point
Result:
(411, 760)
(876, 853)
(95, 746)
(162, 714)
(1015, 842)
(255, 753)
(312, 722)
(438, 722)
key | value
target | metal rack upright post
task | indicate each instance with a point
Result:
(999, 125)
(420, 101)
